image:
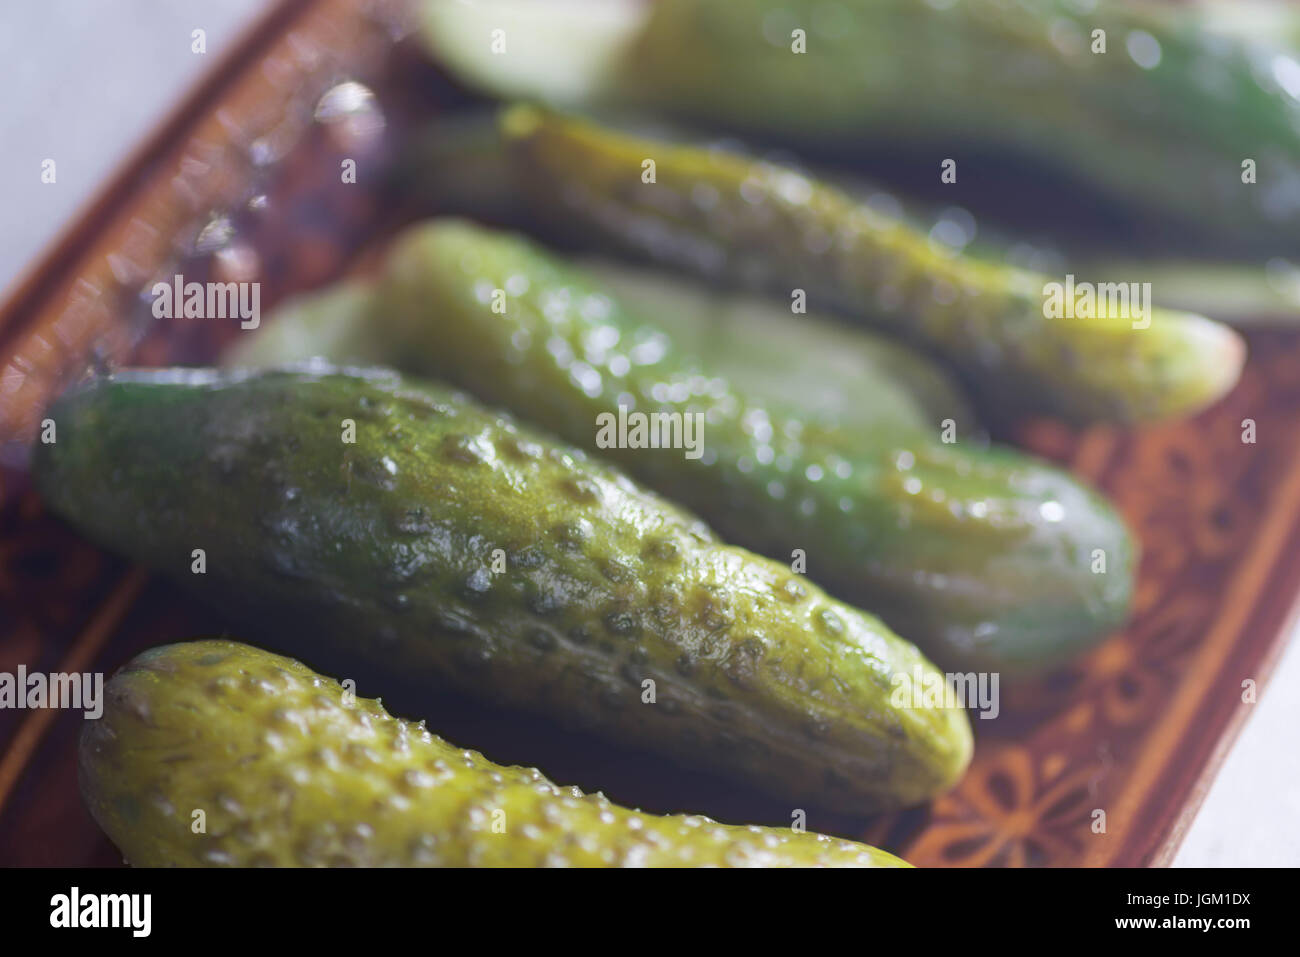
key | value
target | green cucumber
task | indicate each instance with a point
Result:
(1153, 105)
(989, 559)
(362, 520)
(847, 376)
(289, 769)
(726, 216)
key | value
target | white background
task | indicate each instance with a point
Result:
(82, 81)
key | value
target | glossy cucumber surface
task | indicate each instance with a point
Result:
(727, 216)
(360, 519)
(987, 558)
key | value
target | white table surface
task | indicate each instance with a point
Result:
(84, 80)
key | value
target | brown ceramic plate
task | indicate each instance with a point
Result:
(242, 181)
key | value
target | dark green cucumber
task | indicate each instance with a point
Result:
(448, 543)
(727, 216)
(1159, 120)
(291, 770)
(1162, 119)
(988, 559)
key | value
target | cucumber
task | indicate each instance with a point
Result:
(847, 376)
(457, 166)
(1160, 120)
(290, 770)
(447, 544)
(730, 217)
(987, 558)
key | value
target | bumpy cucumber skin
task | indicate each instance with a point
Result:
(726, 216)
(1021, 77)
(982, 557)
(381, 553)
(290, 772)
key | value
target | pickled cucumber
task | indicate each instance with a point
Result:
(1111, 358)
(286, 769)
(357, 518)
(988, 559)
